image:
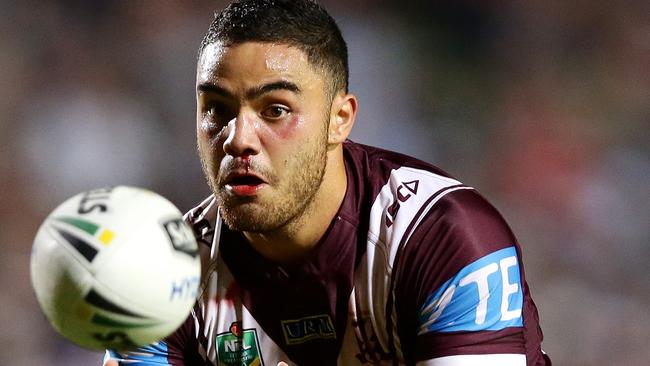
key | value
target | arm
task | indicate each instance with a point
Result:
(178, 349)
(460, 294)
(483, 360)
(153, 354)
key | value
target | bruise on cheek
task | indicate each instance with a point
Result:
(288, 128)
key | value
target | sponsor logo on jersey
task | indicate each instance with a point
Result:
(484, 295)
(402, 194)
(181, 237)
(238, 347)
(305, 329)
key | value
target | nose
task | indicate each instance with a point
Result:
(242, 137)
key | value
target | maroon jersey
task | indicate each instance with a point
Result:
(416, 268)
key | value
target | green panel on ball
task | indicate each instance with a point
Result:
(84, 225)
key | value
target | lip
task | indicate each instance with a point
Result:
(244, 189)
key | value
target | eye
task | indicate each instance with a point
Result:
(218, 112)
(275, 111)
(214, 110)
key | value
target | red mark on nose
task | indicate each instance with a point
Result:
(246, 159)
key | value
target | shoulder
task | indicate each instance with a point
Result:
(379, 163)
(438, 254)
(416, 209)
(471, 225)
(401, 193)
(411, 201)
(393, 188)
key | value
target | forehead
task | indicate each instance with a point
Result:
(252, 61)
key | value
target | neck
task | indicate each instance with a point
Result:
(295, 240)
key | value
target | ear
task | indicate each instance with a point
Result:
(343, 113)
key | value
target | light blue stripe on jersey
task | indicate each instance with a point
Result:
(153, 354)
(484, 295)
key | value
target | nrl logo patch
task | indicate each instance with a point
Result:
(238, 347)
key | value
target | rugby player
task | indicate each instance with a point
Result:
(320, 251)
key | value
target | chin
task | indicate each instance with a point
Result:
(248, 217)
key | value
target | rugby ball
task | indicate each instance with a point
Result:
(115, 268)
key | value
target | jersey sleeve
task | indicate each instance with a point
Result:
(153, 354)
(460, 292)
(178, 349)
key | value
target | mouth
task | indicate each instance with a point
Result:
(244, 184)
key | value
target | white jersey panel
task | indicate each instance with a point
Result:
(405, 198)
(229, 326)
(477, 360)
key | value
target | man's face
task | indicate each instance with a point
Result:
(262, 117)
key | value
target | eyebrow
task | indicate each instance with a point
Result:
(252, 93)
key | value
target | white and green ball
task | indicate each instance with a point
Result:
(115, 268)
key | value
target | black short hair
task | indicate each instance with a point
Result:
(299, 23)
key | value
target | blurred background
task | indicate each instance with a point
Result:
(544, 107)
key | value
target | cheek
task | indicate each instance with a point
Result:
(202, 142)
(288, 129)
(205, 153)
(209, 146)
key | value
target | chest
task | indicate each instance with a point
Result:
(301, 321)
